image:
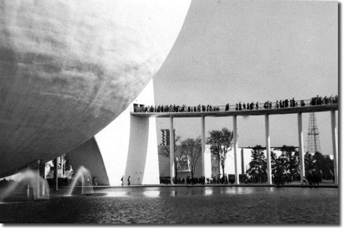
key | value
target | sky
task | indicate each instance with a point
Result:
(252, 51)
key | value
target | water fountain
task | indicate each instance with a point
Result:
(34, 186)
(84, 179)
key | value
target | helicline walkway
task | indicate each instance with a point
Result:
(265, 109)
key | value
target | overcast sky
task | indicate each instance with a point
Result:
(231, 51)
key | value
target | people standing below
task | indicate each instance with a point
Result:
(122, 181)
(129, 181)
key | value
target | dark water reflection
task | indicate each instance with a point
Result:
(183, 205)
(198, 191)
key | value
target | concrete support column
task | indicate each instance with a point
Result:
(203, 143)
(237, 180)
(38, 177)
(62, 166)
(172, 150)
(335, 146)
(268, 149)
(28, 188)
(56, 174)
(242, 161)
(41, 168)
(301, 146)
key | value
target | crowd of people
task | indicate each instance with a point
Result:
(324, 100)
(188, 180)
(176, 108)
(292, 103)
(268, 105)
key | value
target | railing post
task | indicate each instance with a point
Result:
(237, 181)
(268, 149)
(335, 146)
(301, 146)
(172, 151)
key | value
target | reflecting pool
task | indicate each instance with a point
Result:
(180, 205)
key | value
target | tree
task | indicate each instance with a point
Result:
(328, 168)
(221, 142)
(313, 167)
(318, 159)
(165, 152)
(308, 161)
(192, 148)
(292, 162)
(258, 166)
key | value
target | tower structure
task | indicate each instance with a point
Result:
(313, 135)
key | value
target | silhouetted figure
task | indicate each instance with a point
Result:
(319, 100)
(94, 181)
(129, 180)
(325, 100)
(227, 107)
(302, 103)
(122, 181)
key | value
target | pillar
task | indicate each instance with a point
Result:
(62, 166)
(56, 174)
(335, 146)
(203, 142)
(242, 161)
(39, 174)
(28, 187)
(237, 181)
(301, 146)
(268, 149)
(172, 150)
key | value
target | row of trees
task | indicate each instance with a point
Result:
(220, 142)
(285, 168)
(190, 150)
